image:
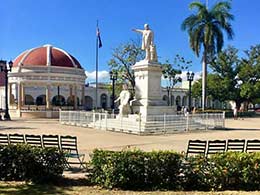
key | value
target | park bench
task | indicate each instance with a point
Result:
(196, 147)
(16, 138)
(216, 146)
(4, 140)
(50, 141)
(34, 140)
(237, 145)
(253, 145)
(69, 146)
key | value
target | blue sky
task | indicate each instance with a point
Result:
(71, 25)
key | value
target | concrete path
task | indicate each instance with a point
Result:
(89, 139)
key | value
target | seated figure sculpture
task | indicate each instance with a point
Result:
(124, 108)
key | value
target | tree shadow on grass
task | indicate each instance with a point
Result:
(63, 186)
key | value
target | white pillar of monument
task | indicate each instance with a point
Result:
(148, 92)
(148, 72)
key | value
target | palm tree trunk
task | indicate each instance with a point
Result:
(204, 81)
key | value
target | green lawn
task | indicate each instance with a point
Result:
(81, 187)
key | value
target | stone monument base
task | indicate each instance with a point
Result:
(147, 111)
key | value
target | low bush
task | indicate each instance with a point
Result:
(229, 114)
(23, 162)
(165, 170)
(136, 169)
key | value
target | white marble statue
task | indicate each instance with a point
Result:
(124, 108)
(148, 43)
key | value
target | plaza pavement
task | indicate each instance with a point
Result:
(89, 139)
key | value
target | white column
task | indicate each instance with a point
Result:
(22, 94)
(19, 96)
(75, 97)
(48, 95)
(83, 96)
(10, 93)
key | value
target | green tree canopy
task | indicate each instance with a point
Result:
(234, 78)
(123, 57)
(249, 74)
(205, 29)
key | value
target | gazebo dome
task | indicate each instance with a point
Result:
(46, 55)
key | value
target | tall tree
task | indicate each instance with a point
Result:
(123, 58)
(205, 29)
(249, 74)
(226, 66)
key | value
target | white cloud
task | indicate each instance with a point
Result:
(102, 76)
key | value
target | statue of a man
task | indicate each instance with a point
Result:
(124, 108)
(148, 43)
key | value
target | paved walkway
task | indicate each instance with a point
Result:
(89, 139)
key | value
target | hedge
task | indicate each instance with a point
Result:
(136, 169)
(164, 170)
(229, 114)
(25, 163)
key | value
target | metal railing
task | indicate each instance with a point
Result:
(142, 125)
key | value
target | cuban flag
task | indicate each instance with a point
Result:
(99, 38)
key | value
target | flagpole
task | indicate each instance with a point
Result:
(96, 69)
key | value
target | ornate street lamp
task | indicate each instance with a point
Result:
(169, 92)
(190, 77)
(168, 95)
(113, 78)
(6, 68)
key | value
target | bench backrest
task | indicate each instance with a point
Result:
(216, 146)
(4, 139)
(16, 138)
(253, 145)
(237, 145)
(69, 143)
(34, 140)
(50, 141)
(196, 147)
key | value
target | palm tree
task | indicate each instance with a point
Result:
(205, 29)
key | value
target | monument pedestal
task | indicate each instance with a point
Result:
(148, 93)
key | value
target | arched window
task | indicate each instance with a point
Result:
(178, 101)
(89, 103)
(172, 100)
(184, 101)
(165, 98)
(70, 100)
(28, 100)
(58, 100)
(103, 101)
(41, 100)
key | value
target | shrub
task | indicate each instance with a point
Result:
(234, 171)
(136, 169)
(229, 114)
(169, 170)
(23, 162)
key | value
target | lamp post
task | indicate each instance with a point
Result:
(113, 78)
(6, 69)
(168, 94)
(190, 77)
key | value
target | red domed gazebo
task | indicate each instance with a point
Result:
(44, 79)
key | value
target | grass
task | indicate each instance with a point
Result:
(82, 187)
